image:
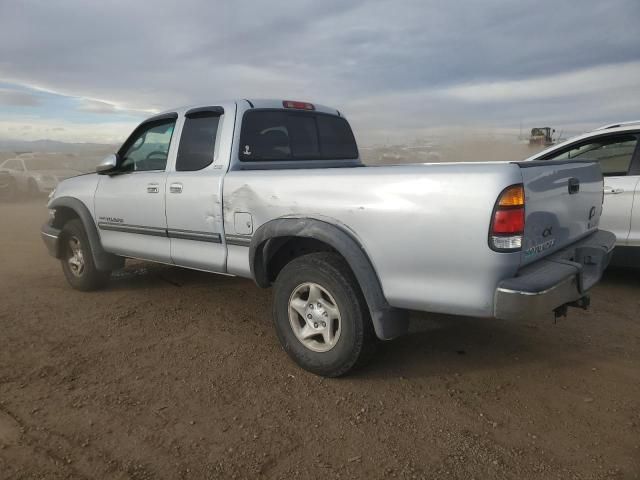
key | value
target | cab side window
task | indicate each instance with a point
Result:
(148, 147)
(197, 142)
(613, 154)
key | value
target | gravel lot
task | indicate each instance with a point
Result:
(175, 374)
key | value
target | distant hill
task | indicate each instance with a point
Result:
(53, 146)
(79, 156)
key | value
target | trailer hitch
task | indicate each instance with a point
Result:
(582, 303)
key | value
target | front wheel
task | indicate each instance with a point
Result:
(77, 259)
(320, 315)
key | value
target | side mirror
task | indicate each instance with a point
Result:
(107, 164)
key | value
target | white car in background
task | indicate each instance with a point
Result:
(617, 149)
(6, 185)
(35, 174)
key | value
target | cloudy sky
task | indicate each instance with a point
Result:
(88, 71)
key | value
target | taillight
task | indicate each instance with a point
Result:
(507, 222)
(298, 105)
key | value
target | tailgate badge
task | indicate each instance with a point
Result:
(541, 247)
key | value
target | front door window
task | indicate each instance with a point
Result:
(148, 148)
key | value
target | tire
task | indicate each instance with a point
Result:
(8, 192)
(32, 189)
(337, 349)
(77, 259)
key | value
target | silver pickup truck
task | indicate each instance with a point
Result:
(275, 191)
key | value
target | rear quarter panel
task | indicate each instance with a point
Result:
(424, 227)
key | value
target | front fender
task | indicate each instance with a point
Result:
(102, 259)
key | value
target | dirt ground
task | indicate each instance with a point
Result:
(175, 374)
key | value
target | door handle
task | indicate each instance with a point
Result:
(574, 185)
(613, 191)
(152, 188)
(175, 188)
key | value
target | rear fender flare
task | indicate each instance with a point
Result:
(389, 322)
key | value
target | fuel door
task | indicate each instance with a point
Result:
(243, 223)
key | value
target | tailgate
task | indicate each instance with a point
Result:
(563, 203)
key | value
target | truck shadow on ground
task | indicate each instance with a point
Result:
(444, 344)
(436, 344)
(621, 276)
(143, 275)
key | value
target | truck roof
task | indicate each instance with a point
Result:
(251, 103)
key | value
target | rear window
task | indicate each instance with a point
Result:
(284, 135)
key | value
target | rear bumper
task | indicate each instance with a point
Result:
(557, 280)
(51, 238)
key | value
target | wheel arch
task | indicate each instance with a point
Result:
(68, 208)
(309, 234)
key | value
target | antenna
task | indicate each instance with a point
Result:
(520, 134)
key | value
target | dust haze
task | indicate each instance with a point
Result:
(442, 148)
(69, 159)
(170, 373)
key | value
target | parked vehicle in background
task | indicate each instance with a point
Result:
(35, 174)
(275, 191)
(541, 136)
(616, 148)
(7, 186)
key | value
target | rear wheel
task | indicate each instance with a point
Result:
(77, 259)
(320, 315)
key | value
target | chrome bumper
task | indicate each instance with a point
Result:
(50, 237)
(555, 281)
